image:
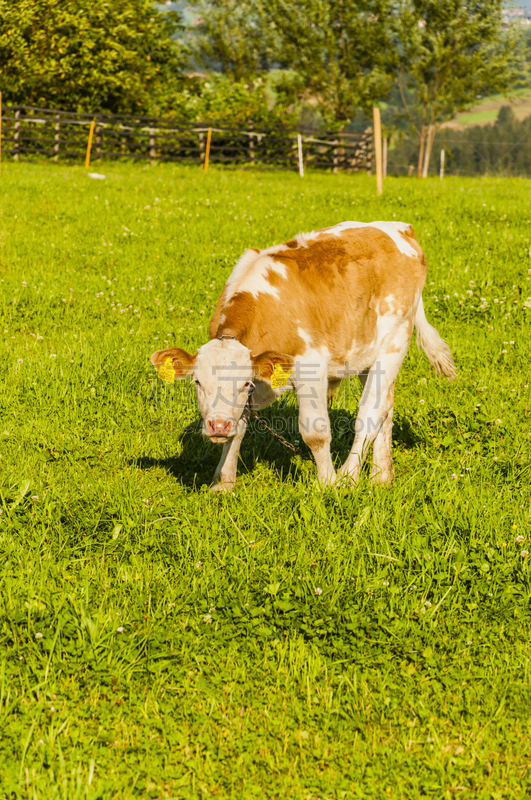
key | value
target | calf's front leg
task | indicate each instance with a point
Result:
(225, 475)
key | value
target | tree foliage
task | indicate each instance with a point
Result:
(231, 38)
(451, 51)
(340, 49)
(222, 100)
(113, 55)
(337, 53)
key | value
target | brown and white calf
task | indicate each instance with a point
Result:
(336, 302)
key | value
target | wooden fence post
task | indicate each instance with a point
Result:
(56, 139)
(378, 149)
(207, 153)
(16, 134)
(441, 171)
(202, 148)
(89, 144)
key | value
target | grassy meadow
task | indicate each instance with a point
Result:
(160, 641)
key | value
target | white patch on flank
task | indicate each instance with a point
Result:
(394, 308)
(387, 326)
(390, 300)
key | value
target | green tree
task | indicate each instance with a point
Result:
(230, 38)
(111, 55)
(341, 50)
(451, 51)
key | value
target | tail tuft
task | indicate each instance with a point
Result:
(438, 352)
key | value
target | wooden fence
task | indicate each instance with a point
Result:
(33, 133)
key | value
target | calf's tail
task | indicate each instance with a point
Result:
(438, 352)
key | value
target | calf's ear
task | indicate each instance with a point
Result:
(264, 364)
(182, 362)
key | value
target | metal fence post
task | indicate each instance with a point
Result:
(299, 150)
(368, 151)
(98, 140)
(202, 148)
(251, 144)
(56, 139)
(335, 158)
(441, 172)
(152, 151)
(16, 135)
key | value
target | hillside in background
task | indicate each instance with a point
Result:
(487, 110)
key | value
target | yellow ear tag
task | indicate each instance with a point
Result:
(279, 377)
(166, 371)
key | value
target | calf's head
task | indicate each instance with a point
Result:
(224, 372)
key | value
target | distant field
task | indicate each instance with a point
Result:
(487, 110)
(159, 641)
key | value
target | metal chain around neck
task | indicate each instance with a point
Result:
(265, 426)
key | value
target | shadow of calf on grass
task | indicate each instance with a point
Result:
(195, 465)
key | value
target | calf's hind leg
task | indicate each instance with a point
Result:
(382, 470)
(375, 420)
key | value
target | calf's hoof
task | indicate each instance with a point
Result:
(221, 486)
(382, 477)
(346, 477)
(327, 480)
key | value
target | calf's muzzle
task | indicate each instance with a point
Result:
(219, 427)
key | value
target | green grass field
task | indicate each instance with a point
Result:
(160, 641)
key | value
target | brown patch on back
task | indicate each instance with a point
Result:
(264, 324)
(334, 288)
